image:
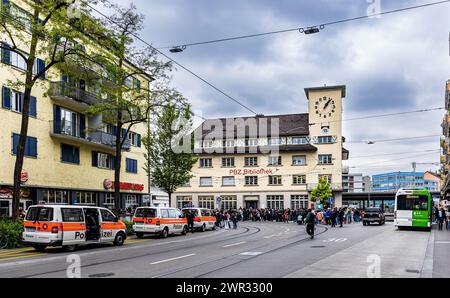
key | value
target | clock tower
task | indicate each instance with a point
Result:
(325, 131)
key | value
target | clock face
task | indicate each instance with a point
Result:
(325, 107)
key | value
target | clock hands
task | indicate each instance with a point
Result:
(327, 104)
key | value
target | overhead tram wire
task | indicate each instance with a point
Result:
(394, 154)
(321, 26)
(371, 142)
(180, 65)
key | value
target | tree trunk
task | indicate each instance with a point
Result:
(170, 199)
(118, 164)
(18, 166)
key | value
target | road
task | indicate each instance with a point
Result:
(255, 250)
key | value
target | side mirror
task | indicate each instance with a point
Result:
(116, 219)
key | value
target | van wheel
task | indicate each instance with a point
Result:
(140, 235)
(165, 233)
(214, 227)
(120, 239)
(185, 230)
(40, 248)
(70, 248)
(203, 228)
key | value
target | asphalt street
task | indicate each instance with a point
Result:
(255, 250)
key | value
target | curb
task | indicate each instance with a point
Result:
(428, 263)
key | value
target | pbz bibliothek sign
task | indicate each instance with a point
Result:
(245, 172)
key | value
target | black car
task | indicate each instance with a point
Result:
(372, 215)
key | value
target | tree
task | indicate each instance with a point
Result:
(48, 29)
(128, 102)
(169, 167)
(322, 192)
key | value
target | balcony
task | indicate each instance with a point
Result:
(97, 139)
(71, 97)
(333, 186)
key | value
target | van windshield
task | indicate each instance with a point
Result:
(145, 212)
(40, 214)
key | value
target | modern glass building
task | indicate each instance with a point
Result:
(392, 182)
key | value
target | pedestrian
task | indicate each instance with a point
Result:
(334, 215)
(190, 219)
(319, 217)
(235, 221)
(341, 215)
(440, 216)
(310, 223)
(227, 221)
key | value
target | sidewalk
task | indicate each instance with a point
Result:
(441, 253)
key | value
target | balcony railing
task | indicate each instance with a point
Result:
(103, 138)
(333, 186)
(62, 89)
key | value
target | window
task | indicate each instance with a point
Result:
(251, 142)
(164, 213)
(325, 140)
(135, 139)
(40, 214)
(146, 213)
(206, 202)
(251, 180)
(207, 144)
(13, 100)
(276, 141)
(72, 215)
(325, 159)
(103, 160)
(16, 101)
(30, 145)
(275, 180)
(299, 202)
(229, 202)
(131, 203)
(275, 202)
(251, 161)
(327, 177)
(410, 202)
(228, 181)
(228, 162)
(173, 213)
(275, 161)
(86, 198)
(299, 179)
(70, 154)
(299, 160)
(70, 123)
(108, 128)
(55, 197)
(107, 216)
(300, 140)
(205, 162)
(206, 181)
(184, 202)
(229, 143)
(14, 59)
(109, 200)
(131, 165)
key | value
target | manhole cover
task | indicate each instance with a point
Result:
(318, 246)
(412, 271)
(101, 275)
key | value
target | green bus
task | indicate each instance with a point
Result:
(413, 208)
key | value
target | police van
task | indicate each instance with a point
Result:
(203, 218)
(71, 226)
(159, 220)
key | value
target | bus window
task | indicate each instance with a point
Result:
(145, 212)
(408, 202)
(40, 214)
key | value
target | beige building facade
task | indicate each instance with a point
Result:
(269, 161)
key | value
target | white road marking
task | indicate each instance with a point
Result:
(250, 253)
(235, 244)
(442, 242)
(172, 259)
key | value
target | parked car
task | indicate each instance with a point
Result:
(374, 214)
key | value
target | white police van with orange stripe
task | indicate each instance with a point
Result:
(70, 226)
(159, 220)
(203, 218)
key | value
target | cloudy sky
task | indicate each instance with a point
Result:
(399, 62)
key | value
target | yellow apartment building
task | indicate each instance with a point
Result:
(269, 161)
(69, 155)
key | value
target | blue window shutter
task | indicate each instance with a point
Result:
(135, 166)
(113, 165)
(31, 147)
(82, 126)
(76, 155)
(57, 119)
(115, 130)
(127, 165)
(33, 111)
(6, 98)
(6, 53)
(123, 135)
(14, 143)
(41, 67)
(139, 140)
(94, 159)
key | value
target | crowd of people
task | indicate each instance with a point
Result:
(442, 216)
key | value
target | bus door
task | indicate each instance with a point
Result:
(74, 226)
(109, 226)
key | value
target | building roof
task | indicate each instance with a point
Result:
(289, 125)
(259, 149)
(343, 89)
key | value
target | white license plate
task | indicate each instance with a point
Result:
(139, 223)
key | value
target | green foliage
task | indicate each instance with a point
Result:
(129, 226)
(322, 191)
(13, 231)
(169, 149)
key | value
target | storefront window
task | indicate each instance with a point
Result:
(275, 202)
(206, 202)
(109, 201)
(4, 208)
(86, 198)
(55, 197)
(229, 202)
(299, 202)
(131, 203)
(184, 201)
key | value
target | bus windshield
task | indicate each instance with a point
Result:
(145, 212)
(412, 202)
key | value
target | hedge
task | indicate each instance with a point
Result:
(13, 231)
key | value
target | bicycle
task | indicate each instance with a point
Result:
(3, 241)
